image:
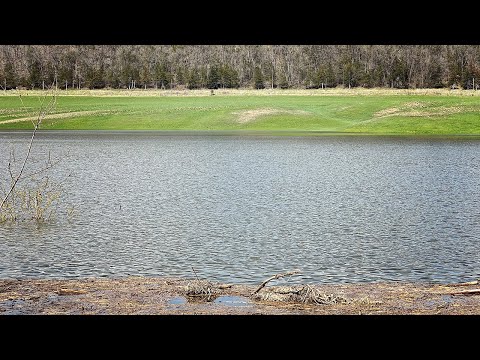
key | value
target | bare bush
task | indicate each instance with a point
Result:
(31, 196)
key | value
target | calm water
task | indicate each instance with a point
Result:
(239, 209)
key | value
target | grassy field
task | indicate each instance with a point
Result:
(395, 112)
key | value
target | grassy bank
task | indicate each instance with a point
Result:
(402, 112)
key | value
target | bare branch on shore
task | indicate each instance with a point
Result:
(277, 276)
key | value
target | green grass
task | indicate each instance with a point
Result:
(395, 114)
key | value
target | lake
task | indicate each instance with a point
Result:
(239, 208)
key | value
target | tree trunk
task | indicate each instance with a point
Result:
(273, 73)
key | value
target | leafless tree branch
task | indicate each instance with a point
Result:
(43, 112)
(277, 276)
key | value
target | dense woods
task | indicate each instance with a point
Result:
(233, 66)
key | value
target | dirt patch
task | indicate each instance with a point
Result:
(247, 116)
(56, 116)
(386, 112)
(418, 109)
(413, 105)
(15, 111)
(138, 295)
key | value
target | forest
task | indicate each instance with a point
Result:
(238, 66)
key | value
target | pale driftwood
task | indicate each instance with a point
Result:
(466, 292)
(70, 292)
(277, 276)
(465, 283)
(225, 286)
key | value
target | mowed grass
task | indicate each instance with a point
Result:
(402, 114)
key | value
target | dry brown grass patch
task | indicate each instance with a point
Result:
(247, 116)
(420, 109)
(58, 116)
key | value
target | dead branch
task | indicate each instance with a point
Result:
(50, 164)
(466, 292)
(195, 274)
(277, 276)
(31, 115)
(10, 161)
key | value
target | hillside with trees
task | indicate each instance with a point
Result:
(234, 66)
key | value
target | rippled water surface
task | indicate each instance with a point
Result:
(241, 208)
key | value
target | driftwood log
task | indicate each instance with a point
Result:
(466, 292)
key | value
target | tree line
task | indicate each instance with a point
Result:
(238, 66)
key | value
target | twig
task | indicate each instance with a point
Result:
(32, 115)
(47, 167)
(277, 276)
(23, 166)
(10, 161)
(195, 273)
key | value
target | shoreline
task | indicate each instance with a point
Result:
(168, 296)
(244, 133)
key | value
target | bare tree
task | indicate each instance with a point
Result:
(122, 66)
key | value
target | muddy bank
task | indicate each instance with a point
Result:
(139, 295)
